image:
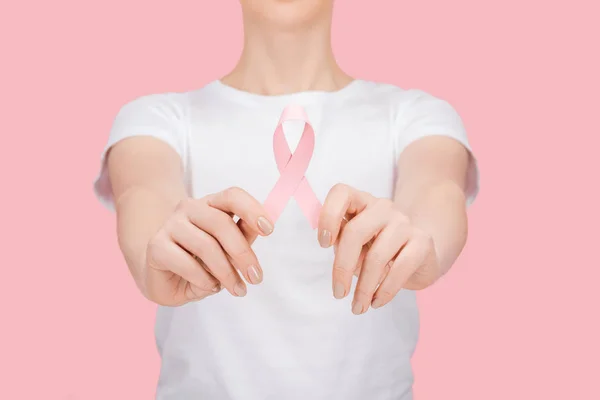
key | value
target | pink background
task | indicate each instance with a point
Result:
(516, 319)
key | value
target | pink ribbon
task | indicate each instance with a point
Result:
(292, 168)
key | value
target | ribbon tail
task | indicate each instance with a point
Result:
(308, 202)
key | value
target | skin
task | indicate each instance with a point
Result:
(180, 249)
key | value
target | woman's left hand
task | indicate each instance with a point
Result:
(377, 242)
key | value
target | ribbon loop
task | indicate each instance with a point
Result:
(292, 167)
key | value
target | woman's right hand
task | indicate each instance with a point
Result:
(200, 249)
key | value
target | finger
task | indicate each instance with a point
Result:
(241, 203)
(342, 200)
(172, 258)
(361, 259)
(345, 220)
(358, 232)
(360, 262)
(249, 233)
(407, 262)
(222, 227)
(384, 248)
(206, 248)
(194, 293)
(386, 271)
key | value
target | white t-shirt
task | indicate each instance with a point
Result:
(288, 338)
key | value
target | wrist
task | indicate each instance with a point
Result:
(141, 213)
(440, 212)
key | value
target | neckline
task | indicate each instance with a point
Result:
(302, 97)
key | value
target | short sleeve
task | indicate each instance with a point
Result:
(421, 115)
(162, 116)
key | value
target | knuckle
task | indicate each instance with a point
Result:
(353, 230)
(341, 272)
(385, 294)
(330, 216)
(340, 187)
(231, 193)
(421, 237)
(236, 189)
(375, 259)
(184, 205)
(155, 251)
(241, 252)
(364, 291)
(325, 219)
(230, 277)
(153, 293)
(400, 218)
(176, 223)
(205, 284)
(206, 241)
(155, 297)
(192, 292)
(383, 203)
(153, 246)
(368, 196)
(162, 300)
(202, 253)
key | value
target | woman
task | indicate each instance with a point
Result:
(391, 167)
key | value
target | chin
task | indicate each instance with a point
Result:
(287, 13)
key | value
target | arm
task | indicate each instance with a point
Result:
(180, 249)
(410, 241)
(146, 176)
(407, 243)
(430, 190)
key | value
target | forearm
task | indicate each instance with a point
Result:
(147, 185)
(440, 211)
(141, 212)
(431, 191)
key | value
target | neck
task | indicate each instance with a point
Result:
(275, 61)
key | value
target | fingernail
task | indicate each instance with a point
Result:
(377, 303)
(325, 238)
(339, 291)
(239, 289)
(254, 275)
(357, 308)
(265, 226)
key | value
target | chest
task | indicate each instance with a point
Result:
(352, 146)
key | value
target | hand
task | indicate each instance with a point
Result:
(200, 249)
(378, 243)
